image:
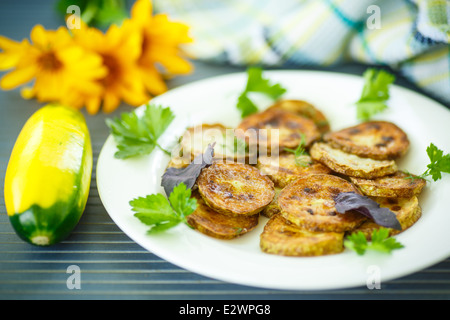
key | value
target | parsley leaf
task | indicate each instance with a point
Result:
(300, 153)
(161, 213)
(136, 135)
(375, 93)
(439, 163)
(245, 105)
(256, 83)
(380, 241)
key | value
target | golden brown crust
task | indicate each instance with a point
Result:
(235, 189)
(272, 208)
(309, 202)
(284, 169)
(257, 129)
(379, 140)
(398, 185)
(284, 238)
(217, 225)
(350, 164)
(407, 211)
(304, 109)
(196, 139)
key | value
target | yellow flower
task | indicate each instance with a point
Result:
(98, 70)
(12, 53)
(60, 69)
(120, 48)
(161, 46)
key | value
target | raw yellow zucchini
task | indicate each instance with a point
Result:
(48, 176)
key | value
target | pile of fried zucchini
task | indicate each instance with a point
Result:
(296, 193)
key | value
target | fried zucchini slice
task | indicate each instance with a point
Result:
(285, 168)
(351, 164)
(227, 146)
(305, 109)
(217, 225)
(407, 211)
(309, 203)
(235, 188)
(281, 237)
(178, 162)
(272, 208)
(398, 185)
(257, 129)
(380, 140)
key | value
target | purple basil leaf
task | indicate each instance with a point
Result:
(347, 201)
(188, 175)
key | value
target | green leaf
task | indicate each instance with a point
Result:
(434, 153)
(155, 211)
(99, 13)
(356, 242)
(110, 12)
(257, 83)
(156, 119)
(131, 148)
(181, 201)
(161, 213)
(380, 241)
(152, 209)
(375, 93)
(439, 163)
(246, 106)
(301, 157)
(366, 109)
(136, 135)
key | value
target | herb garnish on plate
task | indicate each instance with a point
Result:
(375, 93)
(257, 83)
(138, 135)
(439, 163)
(380, 241)
(161, 213)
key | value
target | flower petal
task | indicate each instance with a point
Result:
(28, 93)
(141, 11)
(110, 102)
(18, 77)
(38, 36)
(153, 81)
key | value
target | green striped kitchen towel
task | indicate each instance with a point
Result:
(410, 36)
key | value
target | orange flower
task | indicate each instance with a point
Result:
(120, 49)
(161, 46)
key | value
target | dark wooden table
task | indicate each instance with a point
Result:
(113, 266)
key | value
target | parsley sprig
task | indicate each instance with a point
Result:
(439, 163)
(300, 153)
(380, 241)
(161, 213)
(257, 83)
(375, 93)
(136, 135)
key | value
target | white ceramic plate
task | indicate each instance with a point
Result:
(240, 260)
